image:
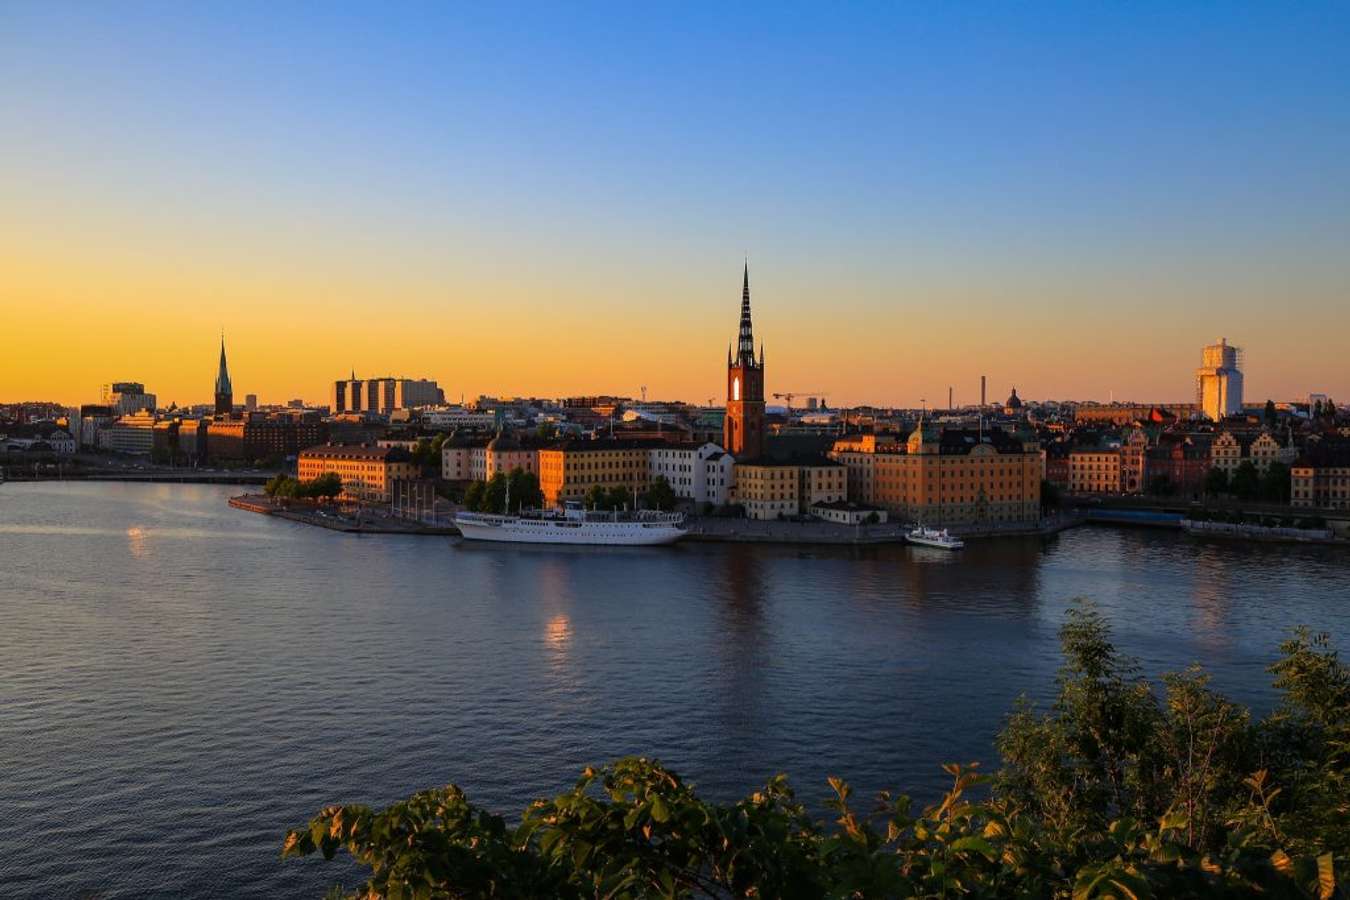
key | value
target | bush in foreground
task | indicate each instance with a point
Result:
(1117, 791)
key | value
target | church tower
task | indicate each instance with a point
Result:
(224, 390)
(743, 426)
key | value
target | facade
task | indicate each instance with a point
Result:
(769, 489)
(743, 425)
(1094, 470)
(224, 389)
(367, 473)
(255, 436)
(1320, 478)
(384, 395)
(1183, 460)
(953, 476)
(1267, 449)
(458, 417)
(700, 473)
(129, 434)
(844, 512)
(1134, 462)
(126, 397)
(1228, 451)
(1218, 381)
(569, 469)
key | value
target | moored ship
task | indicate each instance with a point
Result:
(573, 525)
(935, 537)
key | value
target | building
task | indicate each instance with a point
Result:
(1125, 414)
(1320, 476)
(743, 425)
(846, 512)
(1267, 449)
(123, 398)
(367, 473)
(700, 473)
(773, 489)
(459, 417)
(1218, 381)
(1094, 470)
(133, 433)
(1229, 450)
(1179, 464)
(571, 468)
(1134, 462)
(257, 436)
(224, 390)
(951, 476)
(384, 395)
(250, 403)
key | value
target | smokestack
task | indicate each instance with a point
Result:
(949, 397)
(982, 397)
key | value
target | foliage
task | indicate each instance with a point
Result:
(1050, 497)
(659, 495)
(600, 497)
(1118, 791)
(491, 496)
(1276, 483)
(1246, 482)
(326, 486)
(1216, 481)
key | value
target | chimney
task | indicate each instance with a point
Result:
(982, 397)
(949, 397)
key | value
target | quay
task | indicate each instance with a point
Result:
(368, 522)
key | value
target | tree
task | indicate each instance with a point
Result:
(1050, 498)
(1276, 483)
(1216, 481)
(326, 486)
(525, 492)
(620, 498)
(275, 484)
(1271, 416)
(473, 495)
(1246, 483)
(597, 497)
(1117, 791)
(494, 495)
(659, 495)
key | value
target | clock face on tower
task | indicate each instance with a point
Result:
(736, 388)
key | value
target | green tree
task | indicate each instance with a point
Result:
(1276, 483)
(1246, 483)
(659, 495)
(473, 496)
(326, 486)
(525, 491)
(597, 497)
(1216, 481)
(620, 498)
(1271, 416)
(494, 495)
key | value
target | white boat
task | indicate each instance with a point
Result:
(935, 537)
(573, 525)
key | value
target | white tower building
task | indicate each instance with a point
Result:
(1218, 381)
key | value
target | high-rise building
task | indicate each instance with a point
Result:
(251, 402)
(1218, 381)
(743, 425)
(384, 395)
(224, 390)
(126, 397)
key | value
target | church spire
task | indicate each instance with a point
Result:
(224, 390)
(746, 345)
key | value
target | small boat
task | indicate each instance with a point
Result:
(935, 537)
(573, 525)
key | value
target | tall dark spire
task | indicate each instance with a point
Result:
(745, 348)
(223, 374)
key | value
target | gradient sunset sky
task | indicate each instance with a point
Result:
(555, 199)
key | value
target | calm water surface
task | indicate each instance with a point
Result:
(180, 681)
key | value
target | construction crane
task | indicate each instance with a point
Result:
(790, 395)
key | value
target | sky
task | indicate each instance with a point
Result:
(550, 199)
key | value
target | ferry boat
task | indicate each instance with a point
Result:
(573, 525)
(935, 537)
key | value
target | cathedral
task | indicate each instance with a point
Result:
(743, 426)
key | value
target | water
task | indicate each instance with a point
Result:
(180, 682)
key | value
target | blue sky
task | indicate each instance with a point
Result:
(1072, 197)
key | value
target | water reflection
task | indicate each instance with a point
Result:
(136, 542)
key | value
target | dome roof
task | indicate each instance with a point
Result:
(1014, 401)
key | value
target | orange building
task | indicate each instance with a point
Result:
(570, 469)
(743, 424)
(367, 473)
(769, 489)
(949, 477)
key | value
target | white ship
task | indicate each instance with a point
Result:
(573, 525)
(934, 537)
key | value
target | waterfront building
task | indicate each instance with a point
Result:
(772, 489)
(743, 424)
(1267, 449)
(1055, 462)
(1094, 470)
(1179, 462)
(367, 473)
(224, 389)
(1320, 476)
(846, 512)
(952, 476)
(123, 398)
(133, 433)
(1218, 381)
(569, 469)
(1229, 450)
(257, 436)
(384, 395)
(1134, 462)
(700, 473)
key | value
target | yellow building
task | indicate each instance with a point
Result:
(1321, 477)
(952, 477)
(1094, 470)
(367, 473)
(769, 489)
(570, 469)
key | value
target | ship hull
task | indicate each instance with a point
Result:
(595, 534)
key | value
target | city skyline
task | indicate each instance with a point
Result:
(922, 197)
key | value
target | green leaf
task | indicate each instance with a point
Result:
(660, 812)
(977, 844)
